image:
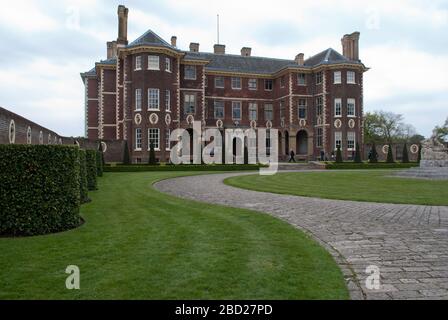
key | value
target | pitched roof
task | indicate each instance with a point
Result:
(329, 56)
(150, 38)
(237, 63)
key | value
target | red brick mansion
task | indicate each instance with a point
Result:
(149, 87)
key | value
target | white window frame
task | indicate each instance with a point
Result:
(138, 99)
(138, 141)
(319, 77)
(353, 102)
(254, 88)
(168, 65)
(223, 82)
(237, 105)
(299, 83)
(351, 77)
(151, 131)
(153, 101)
(188, 101)
(337, 107)
(302, 106)
(234, 82)
(271, 112)
(138, 63)
(337, 138)
(319, 106)
(193, 67)
(351, 136)
(337, 77)
(167, 100)
(153, 62)
(167, 139)
(215, 108)
(319, 137)
(272, 84)
(253, 107)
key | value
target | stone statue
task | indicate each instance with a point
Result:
(434, 153)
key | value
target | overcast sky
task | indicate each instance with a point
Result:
(46, 44)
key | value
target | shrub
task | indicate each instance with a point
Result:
(39, 189)
(126, 157)
(357, 154)
(390, 156)
(83, 188)
(405, 158)
(91, 169)
(373, 155)
(246, 155)
(338, 155)
(368, 165)
(152, 154)
(99, 163)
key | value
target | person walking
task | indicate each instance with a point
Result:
(291, 156)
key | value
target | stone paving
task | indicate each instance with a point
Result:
(408, 243)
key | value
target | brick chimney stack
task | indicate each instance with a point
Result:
(300, 59)
(194, 47)
(219, 48)
(350, 46)
(122, 39)
(246, 52)
(112, 49)
(174, 41)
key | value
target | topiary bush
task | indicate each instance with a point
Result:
(91, 167)
(126, 157)
(39, 189)
(373, 155)
(390, 156)
(83, 188)
(357, 154)
(152, 155)
(338, 155)
(405, 158)
(99, 163)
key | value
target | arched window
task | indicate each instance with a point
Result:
(28, 135)
(12, 132)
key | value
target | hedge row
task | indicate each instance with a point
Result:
(198, 167)
(99, 163)
(364, 165)
(39, 189)
(83, 186)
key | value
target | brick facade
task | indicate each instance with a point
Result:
(111, 91)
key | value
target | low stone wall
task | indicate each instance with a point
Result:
(15, 129)
(397, 151)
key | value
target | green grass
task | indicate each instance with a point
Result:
(138, 243)
(373, 186)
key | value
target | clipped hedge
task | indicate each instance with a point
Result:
(83, 187)
(92, 171)
(364, 165)
(39, 189)
(183, 167)
(99, 163)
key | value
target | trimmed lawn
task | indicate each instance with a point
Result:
(138, 243)
(372, 186)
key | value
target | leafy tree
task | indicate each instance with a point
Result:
(405, 154)
(338, 155)
(152, 154)
(442, 132)
(373, 155)
(390, 156)
(357, 154)
(126, 158)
